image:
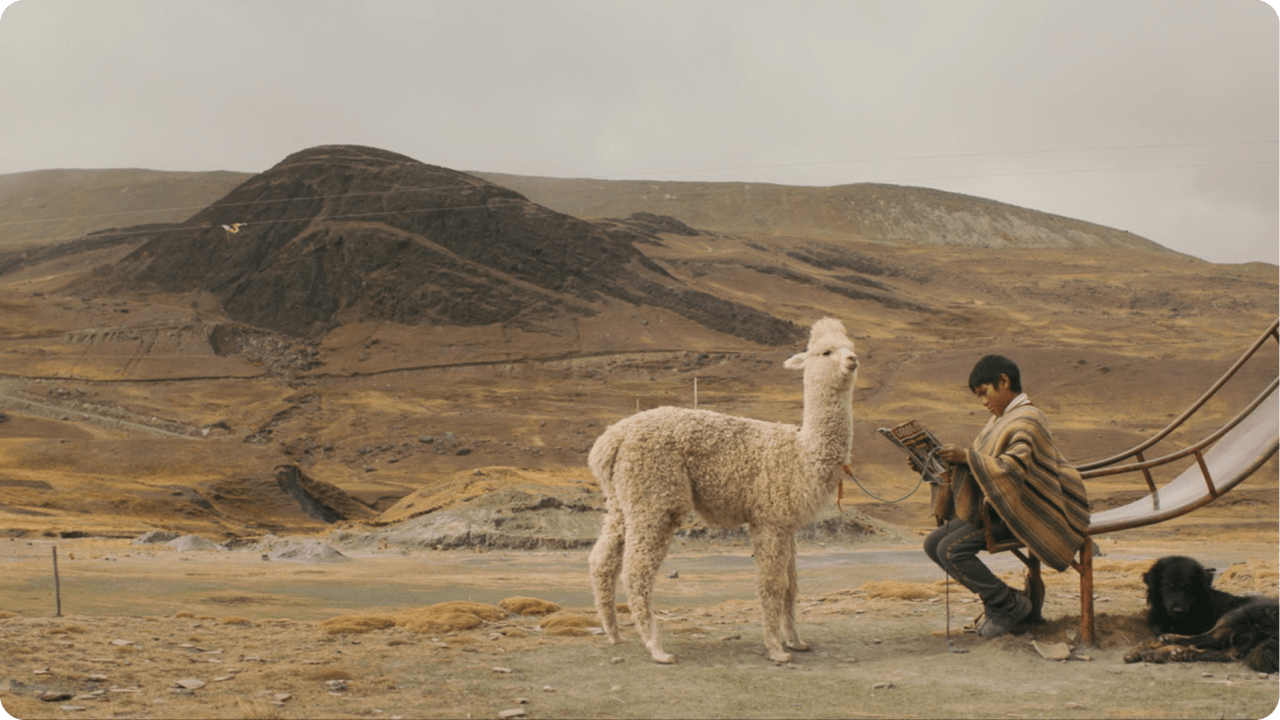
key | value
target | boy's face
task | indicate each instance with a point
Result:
(995, 398)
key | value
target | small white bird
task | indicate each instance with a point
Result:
(232, 229)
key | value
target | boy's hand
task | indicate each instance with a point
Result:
(954, 454)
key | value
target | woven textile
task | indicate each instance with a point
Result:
(1015, 466)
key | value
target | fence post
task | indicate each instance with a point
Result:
(57, 584)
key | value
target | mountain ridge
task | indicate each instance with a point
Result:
(337, 234)
(871, 212)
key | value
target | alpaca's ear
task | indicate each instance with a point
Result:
(795, 362)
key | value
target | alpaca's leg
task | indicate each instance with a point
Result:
(791, 638)
(647, 539)
(769, 548)
(606, 566)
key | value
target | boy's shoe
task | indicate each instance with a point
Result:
(997, 624)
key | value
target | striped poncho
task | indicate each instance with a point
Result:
(1015, 466)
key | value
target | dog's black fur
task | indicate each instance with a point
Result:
(1182, 599)
(1250, 633)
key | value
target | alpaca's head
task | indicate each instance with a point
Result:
(830, 358)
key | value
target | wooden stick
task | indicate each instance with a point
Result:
(1088, 633)
(57, 584)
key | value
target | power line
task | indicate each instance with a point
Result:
(177, 227)
(436, 188)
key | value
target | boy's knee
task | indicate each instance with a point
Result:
(931, 545)
(957, 550)
(931, 552)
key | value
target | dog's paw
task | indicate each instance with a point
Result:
(1183, 653)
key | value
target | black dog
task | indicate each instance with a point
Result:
(1250, 633)
(1182, 598)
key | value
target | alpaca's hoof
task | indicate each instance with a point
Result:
(664, 658)
(781, 657)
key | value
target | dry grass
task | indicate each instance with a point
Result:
(355, 624)
(446, 617)
(529, 606)
(1242, 577)
(570, 625)
(431, 623)
(328, 674)
(258, 709)
(483, 611)
(452, 658)
(896, 590)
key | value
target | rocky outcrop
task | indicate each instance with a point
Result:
(346, 233)
(320, 500)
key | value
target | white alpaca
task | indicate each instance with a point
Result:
(656, 466)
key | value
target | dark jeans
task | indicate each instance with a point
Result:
(954, 547)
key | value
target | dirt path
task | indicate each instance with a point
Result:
(251, 636)
(91, 412)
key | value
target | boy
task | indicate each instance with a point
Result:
(1014, 472)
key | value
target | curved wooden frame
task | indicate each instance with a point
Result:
(1094, 468)
(1241, 433)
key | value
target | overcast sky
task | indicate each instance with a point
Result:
(1153, 116)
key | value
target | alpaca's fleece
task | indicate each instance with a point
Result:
(656, 466)
(700, 460)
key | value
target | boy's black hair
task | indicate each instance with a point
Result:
(989, 369)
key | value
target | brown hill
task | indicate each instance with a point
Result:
(348, 234)
(867, 212)
(174, 350)
(50, 206)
